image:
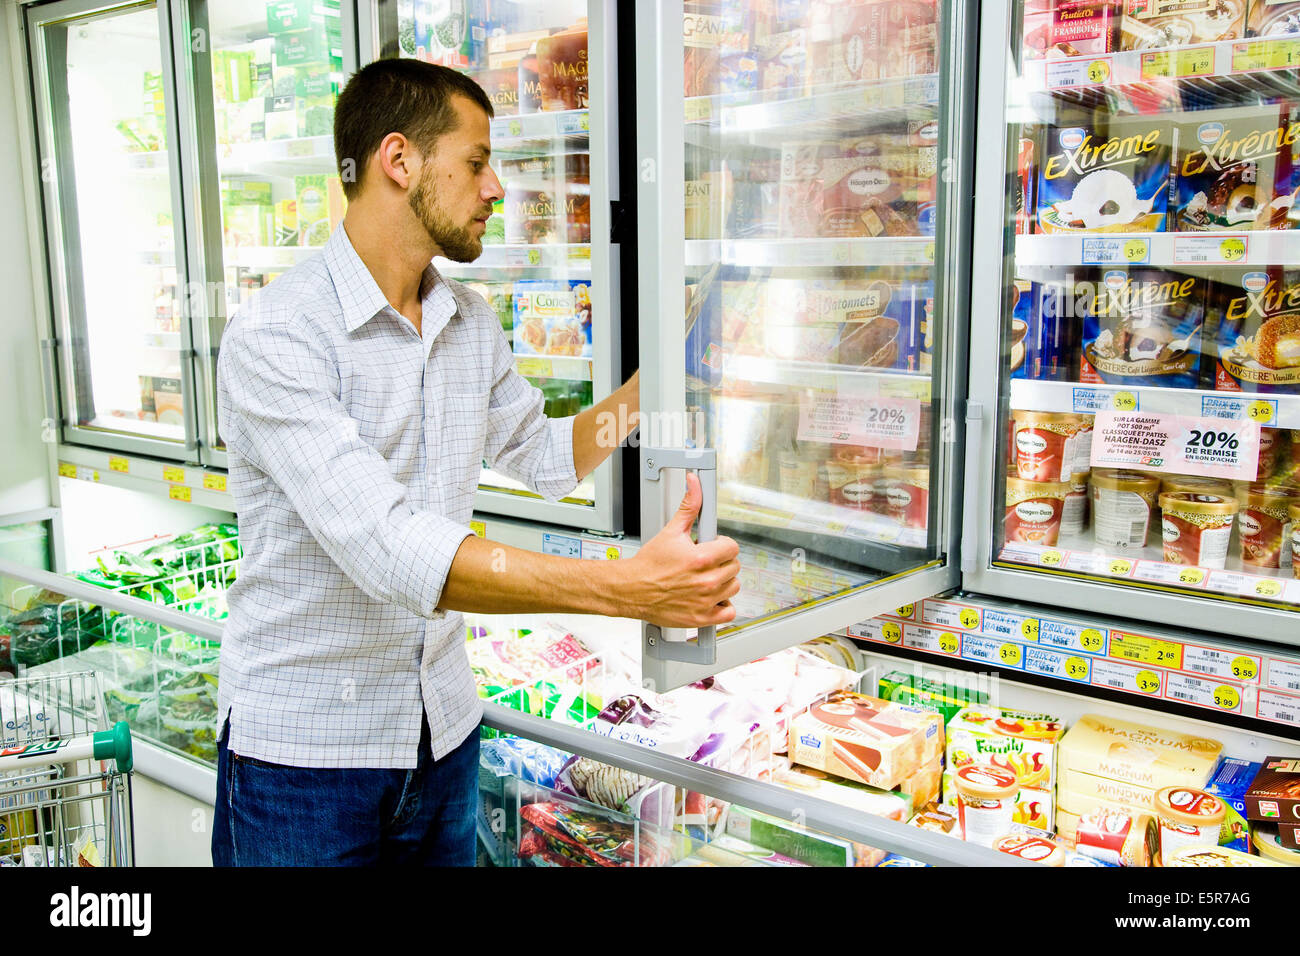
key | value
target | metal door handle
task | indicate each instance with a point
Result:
(970, 536)
(671, 644)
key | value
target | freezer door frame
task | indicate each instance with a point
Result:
(63, 259)
(990, 263)
(661, 241)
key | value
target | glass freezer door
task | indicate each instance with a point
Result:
(107, 133)
(800, 179)
(547, 265)
(1146, 453)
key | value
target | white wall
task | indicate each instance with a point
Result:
(171, 828)
(24, 464)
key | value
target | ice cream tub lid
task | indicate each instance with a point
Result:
(1197, 484)
(1195, 503)
(1118, 479)
(1214, 856)
(1264, 837)
(1034, 848)
(979, 781)
(1019, 490)
(1047, 418)
(1189, 807)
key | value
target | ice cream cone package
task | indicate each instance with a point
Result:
(552, 317)
(1258, 333)
(866, 739)
(1153, 24)
(1144, 328)
(1105, 179)
(1238, 173)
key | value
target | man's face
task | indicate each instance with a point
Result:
(454, 195)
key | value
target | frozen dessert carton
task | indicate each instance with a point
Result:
(1094, 179)
(1153, 24)
(1258, 333)
(866, 739)
(1023, 743)
(1148, 757)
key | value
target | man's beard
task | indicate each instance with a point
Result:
(456, 242)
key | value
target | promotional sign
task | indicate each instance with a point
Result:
(1176, 445)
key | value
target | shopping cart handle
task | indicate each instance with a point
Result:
(115, 744)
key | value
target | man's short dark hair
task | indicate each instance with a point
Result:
(410, 97)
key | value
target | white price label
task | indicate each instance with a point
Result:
(1135, 680)
(1278, 707)
(1262, 411)
(1181, 575)
(1226, 664)
(1089, 401)
(1078, 72)
(1203, 693)
(1198, 249)
(873, 630)
(1085, 562)
(600, 551)
(1072, 637)
(986, 651)
(1075, 667)
(934, 640)
(1284, 675)
(561, 545)
(1009, 626)
(947, 614)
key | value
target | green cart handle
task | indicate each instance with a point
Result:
(112, 745)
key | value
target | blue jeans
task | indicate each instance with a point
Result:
(272, 815)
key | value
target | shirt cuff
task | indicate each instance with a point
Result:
(556, 475)
(422, 561)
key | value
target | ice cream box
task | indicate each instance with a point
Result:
(947, 699)
(552, 317)
(1094, 179)
(866, 739)
(1034, 808)
(1258, 333)
(1068, 801)
(1229, 782)
(1144, 328)
(1149, 757)
(924, 786)
(1043, 326)
(1090, 788)
(720, 56)
(1020, 742)
(1085, 27)
(877, 39)
(790, 840)
(1274, 794)
(1272, 18)
(848, 793)
(1152, 24)
(1238, 174)
(893, 859)
(938, 817)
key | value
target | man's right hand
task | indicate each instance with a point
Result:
(674, 582)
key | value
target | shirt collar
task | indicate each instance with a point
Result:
(361, 297)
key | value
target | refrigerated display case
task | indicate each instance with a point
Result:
(802, 172)
(550, 265)
(1142, 443)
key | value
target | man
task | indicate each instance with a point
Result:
(359, 393)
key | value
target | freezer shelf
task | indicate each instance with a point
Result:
(1190, 250)
(781, 253)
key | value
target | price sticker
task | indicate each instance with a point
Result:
(1124, 401)
(1267, 587)
(1099, 71)
(1227, 697)
(1071, 637)
(66, 470)
(698, 109)
(1116, 676)
(985, 651)
(120, 465)
(479, 528)
(516, 128)
(173, 474)
(970, 618)
(891, 632)
(530, 367)
(1077, 668)
(1010, 654)
(949, 642)
(1121, 567)
(1137, 250)
(907, 610)
(179, 492)
(1245, 668)
(1154, 66)
(1029, 629)
(1193, 250)
(1148, 682)
(1197, 61)
(1091, 639)
(584, 123)
(1051, 558)
(1146, 650)
(1103, 251)
(1232, 249)
(1202, 693)
(929, 252)
(214, 482)
(1262, 412)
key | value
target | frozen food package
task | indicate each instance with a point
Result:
(1043, 324)
(867, 739)
(562, 69)
(1113, 179)
(1152, 24)
(589, 839)
(1084, 27)
(1144, 328)
(720, 57)
(1267, 18)
(1147, 757)
(552, 317)
(1238, 173)
(1257, 332)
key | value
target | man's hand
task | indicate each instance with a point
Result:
(674, 582)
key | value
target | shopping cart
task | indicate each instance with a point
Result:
(65, 775)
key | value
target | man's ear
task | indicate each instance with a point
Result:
(398, 161)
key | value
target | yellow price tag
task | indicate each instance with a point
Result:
(1146, 650)
(585, 122)
(1092, 639)
(1124, 402)
(612, 553)
(1148, 682)
(1155, 66)
(1267, 587)
(1226, 697)
(891, 632)
(1051, 557)
(1029, 629)
(534, 257)
(949, 642)
(1137, 250)
(1098, 71)
(1009, 654)
(970, 618)
(94, 476)
(1121, 566)
(929, 252)
(1260, 411)
(516, 128)
(907, 610)
(1195, 62)
(530, 367)
(120, 465)
(174, 474)
(66, 470)
(1232, 249)
(214, 482)
(179, 492)
(1077, 668)
(1191, 576)
(479, 528)
(1243, 668)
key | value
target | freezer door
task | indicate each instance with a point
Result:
(107, 136)
(548, 265)
(1142, 382)
(802, 236)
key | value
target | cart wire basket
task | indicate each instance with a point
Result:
(65, 775)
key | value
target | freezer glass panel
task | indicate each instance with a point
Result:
(814, 348)
(1150, 379)
(106, 135)
(276, 69)
(535, 269)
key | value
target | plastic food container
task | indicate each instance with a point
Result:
(1269, 446)
(1121, 507)
(1034, 510)
(1033, 848)
(986, 797)
(852, 486)
(1262, 518)
(1293, 512)
(1074, 517)
(1083, 445)
(1197, 485)
(1196, 528)
(1213, 856)
(907, 496)
(1118, 837)
(1264, 838)
(1188, 817)
(1046, 445)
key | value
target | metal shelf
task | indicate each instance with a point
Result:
(1276, 410)
(509, 132)
(812, 253)
(1189, 249)
(278, 157)
(893, 383)
(568, 260)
